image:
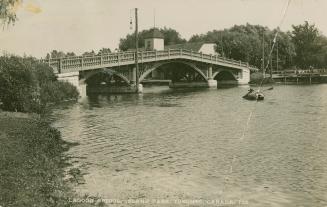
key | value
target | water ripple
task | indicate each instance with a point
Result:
(180, 145)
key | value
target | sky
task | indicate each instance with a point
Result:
(84, 25)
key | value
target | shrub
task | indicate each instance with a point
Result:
(29, 86)
(56, 91)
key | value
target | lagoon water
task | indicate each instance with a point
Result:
(202, 147)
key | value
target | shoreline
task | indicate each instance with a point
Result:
(33, 167)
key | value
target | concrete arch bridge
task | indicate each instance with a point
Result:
(116, 73)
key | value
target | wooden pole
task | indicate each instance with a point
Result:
(270, 59)
(277, 54)
(136, 52)
(263, 54)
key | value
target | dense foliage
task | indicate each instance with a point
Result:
(35, 179)
(171, 37)
(7, 11)
(245, 42)
(303, 47)
(29, 86)
(61, 54)
(310, 46)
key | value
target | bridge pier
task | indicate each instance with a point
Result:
(243, 77)
(208, 84)
(211, 82)
(115, 89)
(73, 78)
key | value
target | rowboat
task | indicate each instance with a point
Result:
(254, 95)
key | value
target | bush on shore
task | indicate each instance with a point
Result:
(27, 85)
(31, 163)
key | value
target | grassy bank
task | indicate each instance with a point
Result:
(32, 163)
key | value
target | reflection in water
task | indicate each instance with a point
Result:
(180, 145)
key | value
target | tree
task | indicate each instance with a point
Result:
(171, 36)
(55, 54)
(104, 51)
(306, 41)
(27, 85)
(197, 38)
(17, 84)
(321, 57)
(70, 54)
(92, 53)
(129, 41)
(8, 11)
(244, 42)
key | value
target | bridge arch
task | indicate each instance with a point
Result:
(224, 75)
(108, 71)
(157, 65)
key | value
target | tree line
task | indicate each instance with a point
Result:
(61, 54)
(302, 47)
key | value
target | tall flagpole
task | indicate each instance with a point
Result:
(154, 18)
(136, 52)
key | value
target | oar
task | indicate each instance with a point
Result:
(269, 89)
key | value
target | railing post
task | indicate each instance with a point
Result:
(181, 52)
(60, 65)
(240, 63)
(118, 61)
(210, 72)
(169, 53)
(101, 60)
(201, 55)
(155, 54)
(82, 62)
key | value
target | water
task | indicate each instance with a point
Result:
(169, 145)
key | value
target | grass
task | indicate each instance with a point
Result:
(32, 163)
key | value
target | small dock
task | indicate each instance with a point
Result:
(300, 76)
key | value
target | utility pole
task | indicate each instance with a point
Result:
(277, 54)
(270, 60)
(136, 52)
(263, 54)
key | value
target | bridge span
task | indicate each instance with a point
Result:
(116, 73)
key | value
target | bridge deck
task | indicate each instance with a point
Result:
(78, 63)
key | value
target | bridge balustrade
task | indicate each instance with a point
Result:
(76, 63)
(300, 72)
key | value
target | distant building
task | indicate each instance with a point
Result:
(201, 47)
(154, 40)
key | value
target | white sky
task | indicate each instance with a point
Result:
(83, 25)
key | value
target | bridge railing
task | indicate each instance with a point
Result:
(79, 62)
(301, 72)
